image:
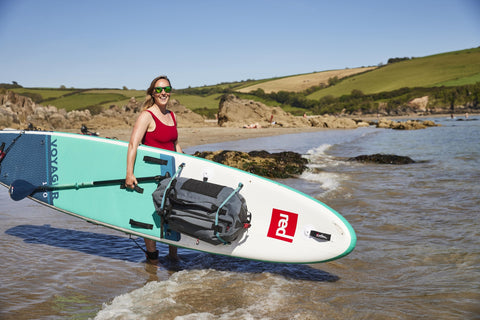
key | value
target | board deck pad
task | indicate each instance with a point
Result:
(286, 225)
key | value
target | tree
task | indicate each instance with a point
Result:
(393, 60)
(333, 81)
(356, 93)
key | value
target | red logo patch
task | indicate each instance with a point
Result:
(282, 225)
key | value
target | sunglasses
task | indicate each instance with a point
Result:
(160, 89)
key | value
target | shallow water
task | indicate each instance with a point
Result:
(417, 254)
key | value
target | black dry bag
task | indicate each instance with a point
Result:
(206, 211)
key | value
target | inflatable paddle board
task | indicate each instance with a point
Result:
(82, 176)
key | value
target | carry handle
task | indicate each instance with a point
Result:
(155, 160)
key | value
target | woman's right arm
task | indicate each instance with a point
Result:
(138, 132)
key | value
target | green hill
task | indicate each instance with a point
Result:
(447, 69)
(73, 99)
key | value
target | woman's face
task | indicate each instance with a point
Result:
(162, 97)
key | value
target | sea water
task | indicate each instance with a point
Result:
(417, 254)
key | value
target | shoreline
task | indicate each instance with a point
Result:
(195, 136)
(191, 137)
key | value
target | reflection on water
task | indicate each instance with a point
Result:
(121, 248)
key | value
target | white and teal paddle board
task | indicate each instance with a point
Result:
(83, 175)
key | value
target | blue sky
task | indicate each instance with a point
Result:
(111, 44)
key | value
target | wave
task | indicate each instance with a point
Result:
(321, 168)
(209, 294)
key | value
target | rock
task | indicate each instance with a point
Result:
(363, 124)
(56, 120)
(236, 112)
(383, 159)
(419, 105)
(405, 125)
(7, 117)
(332, 122)
(185, 116)
(430, 123)
(133, 106)
(271, 165)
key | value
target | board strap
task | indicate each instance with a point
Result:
(240, 186)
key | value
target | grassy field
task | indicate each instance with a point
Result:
(45, 93)
(72, 99)
(198, 102)
(117, 96)
(454, 68)
(83, 100)
(302, 82)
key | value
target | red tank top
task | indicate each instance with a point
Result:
(163, 136)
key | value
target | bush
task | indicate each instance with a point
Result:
(94, 110)
(206, 112)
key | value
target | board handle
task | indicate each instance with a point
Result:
(136, 188)
(155, 160)
(139, 224)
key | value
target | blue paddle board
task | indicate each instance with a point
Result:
(82, 176)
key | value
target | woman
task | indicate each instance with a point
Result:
(157, 127)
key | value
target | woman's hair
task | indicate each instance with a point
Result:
(149, 101)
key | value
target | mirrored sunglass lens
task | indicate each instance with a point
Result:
(167, 89)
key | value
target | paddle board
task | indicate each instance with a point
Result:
(84, 175)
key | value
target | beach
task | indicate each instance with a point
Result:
(194, 136)
(189, 137)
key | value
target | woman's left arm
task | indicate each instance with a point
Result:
(177, 147)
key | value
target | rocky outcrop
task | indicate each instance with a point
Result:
(405, 125)
(383, 159)
(20, 112)
(236, 112)
(185, 116)
(271, 165)
(332, 122)
(419, 105)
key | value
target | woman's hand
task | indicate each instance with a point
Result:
(130, 181)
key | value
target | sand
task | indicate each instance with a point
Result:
(189, 137)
